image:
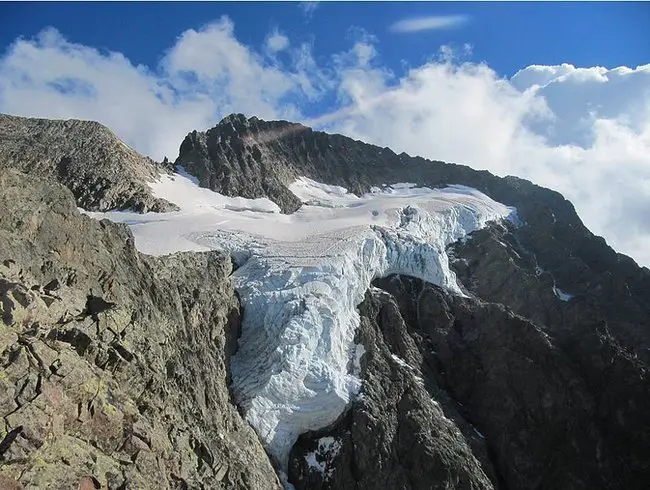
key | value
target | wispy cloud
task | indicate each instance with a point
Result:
(433, 22)
(308, 8)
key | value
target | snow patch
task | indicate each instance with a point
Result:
(320, 459)
(562, 295)
(309, 190)
(358, 354)
(313, 463)
(401, 362)
(180, 170)
(416, 372)
(301, 277)
(183, 190)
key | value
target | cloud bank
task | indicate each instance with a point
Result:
(582, 131)
(417, 24)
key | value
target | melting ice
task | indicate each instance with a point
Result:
(301, 277)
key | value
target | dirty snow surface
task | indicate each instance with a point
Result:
(301, 277)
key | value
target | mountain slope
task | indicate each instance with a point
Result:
(592, 303)
(254, 158)
(472, 375)
(113, 365)
(530, 372)
(102, 172)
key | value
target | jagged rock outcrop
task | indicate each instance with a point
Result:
(113, 365)
(595, 320)
(102, 172)
(459, 393)
(403, 432)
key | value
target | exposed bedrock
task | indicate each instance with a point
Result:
(102, 172)
(113, 365)
(462, 393)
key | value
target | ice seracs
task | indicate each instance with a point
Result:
(301, 277)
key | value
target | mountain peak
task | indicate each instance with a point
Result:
(101, 170)
(255, 126)
(234, 118)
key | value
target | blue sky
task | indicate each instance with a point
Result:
(558, 93)
(508, 35)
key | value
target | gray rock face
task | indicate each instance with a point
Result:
(102, 172)
(458, 393)
(404, 433)
(234, 158)
(511, 382)
(602, 327)
(114, 366)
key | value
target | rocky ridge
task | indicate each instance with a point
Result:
(114, 366)
(255, 158)
(102, 172)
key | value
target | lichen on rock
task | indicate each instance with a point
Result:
(114, 366)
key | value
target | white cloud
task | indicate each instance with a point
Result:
(582, 131)
(276, 42)
(231, 74)
(206, 75)
(596, 153)
(130, 99)
(579, 96)
(417, 24)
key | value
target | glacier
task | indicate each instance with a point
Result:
(301, 276)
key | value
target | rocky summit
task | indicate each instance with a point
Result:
(531, 372)
(102, 172)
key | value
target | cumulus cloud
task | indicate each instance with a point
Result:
(582, 131)
(578, 97)
(433, 22)
(538, 125)
(206, 75)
